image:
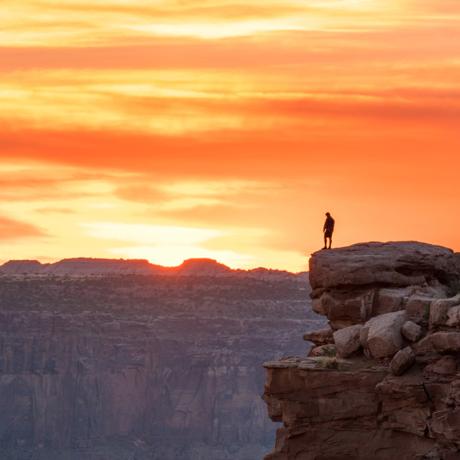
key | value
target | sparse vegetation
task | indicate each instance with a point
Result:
(156, 295)
(327, 363)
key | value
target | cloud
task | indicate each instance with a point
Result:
(186, 10)
(192, 193)
(178, 103)
(436, 7)
(339, 49)
(41, 181)
(38, 22)
(259, 155)
(55, 210)
(81, 23)
(149, 234)
(11, 229)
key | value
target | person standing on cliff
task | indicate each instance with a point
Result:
(328, 230)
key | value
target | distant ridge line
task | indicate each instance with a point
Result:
(87, 266)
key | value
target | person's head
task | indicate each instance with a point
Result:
(328, 214)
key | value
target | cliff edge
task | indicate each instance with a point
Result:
(383, 380)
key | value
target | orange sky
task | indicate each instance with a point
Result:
(174, 129)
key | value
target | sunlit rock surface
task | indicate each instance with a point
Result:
(392, 390)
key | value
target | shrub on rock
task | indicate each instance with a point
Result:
(319, 337)
(328, 351)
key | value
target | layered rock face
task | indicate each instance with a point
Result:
(142, 367)
(383, 381)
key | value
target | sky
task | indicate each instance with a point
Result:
(174, 129)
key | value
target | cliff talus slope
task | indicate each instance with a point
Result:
(383, 381)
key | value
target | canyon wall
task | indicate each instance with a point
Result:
(142, 367)
(382, 381)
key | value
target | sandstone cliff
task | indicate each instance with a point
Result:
(141, 367)
(383, 380)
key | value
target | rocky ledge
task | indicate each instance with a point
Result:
(383, 380)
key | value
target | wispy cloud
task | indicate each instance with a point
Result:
(11, 229)
(78, 23)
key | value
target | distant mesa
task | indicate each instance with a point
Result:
(209, 267)
(16, 267)
(84, 266)
(88, 266)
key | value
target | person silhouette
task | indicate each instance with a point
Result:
(328, 230)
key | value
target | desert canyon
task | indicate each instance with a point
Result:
(124, 360)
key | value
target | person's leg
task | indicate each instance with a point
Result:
(330, 242)
(325, 242)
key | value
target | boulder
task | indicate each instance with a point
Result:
(318, 306)
(346, 308)
(454, 395)
(393, 264)
(453, 316)
(439, 309)
(411, 331)
(438, 342)
(445, 341)
(382, 336)
(347, 340)
(443, 366)
(446, 423)
(418, 308)
(389, 300)
(402, 361)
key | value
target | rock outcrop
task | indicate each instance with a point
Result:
(392, 390)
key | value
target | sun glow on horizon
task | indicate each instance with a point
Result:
(164, 245)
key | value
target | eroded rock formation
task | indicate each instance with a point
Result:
(383, 381)
(141, 367)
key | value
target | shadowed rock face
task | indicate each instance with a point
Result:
(393, 388)
(142, 367)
